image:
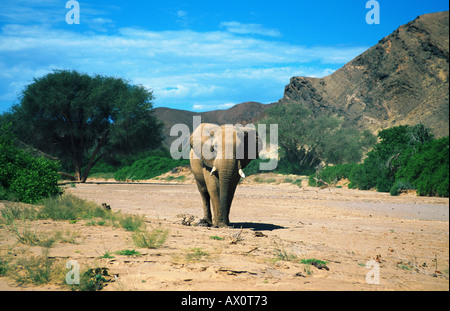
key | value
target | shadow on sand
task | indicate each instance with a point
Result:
(256, 226)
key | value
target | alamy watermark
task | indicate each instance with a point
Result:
(73, 276)
(207, 142)
(373, 276)
(73, 16)
(373, 16)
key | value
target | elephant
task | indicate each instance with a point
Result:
(218, 156)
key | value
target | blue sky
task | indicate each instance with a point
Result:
(194, 55)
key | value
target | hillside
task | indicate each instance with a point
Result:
(401, 80)
(244, 113)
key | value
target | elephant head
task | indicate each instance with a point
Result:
(218, 156)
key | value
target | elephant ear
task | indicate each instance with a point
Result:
(206, 133)
(252, 145)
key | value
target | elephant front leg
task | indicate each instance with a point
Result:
(207, 216)
(206, 221)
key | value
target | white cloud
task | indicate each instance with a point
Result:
(255, 29)
(184, 68)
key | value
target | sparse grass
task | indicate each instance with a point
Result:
(70, 207)
(128, 252)
(93, 279)
(4, 267)
(153, 239)
(297, 182)
(33, 238)
(180, 178)
(196, 254)
(215, 237)
(313, 261)
(263, 180)
(18, 211)
(107, 255)
(132, 222)
(36, 270)
(27, 236)
(281, 254)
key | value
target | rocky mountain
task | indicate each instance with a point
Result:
(401, 80)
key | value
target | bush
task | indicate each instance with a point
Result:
(70, 207)
(388, 156)
(400, 185)
(331, 174)
(153, 239)
(407, 157)
(428, 168)
(23, 177)
(148, 167)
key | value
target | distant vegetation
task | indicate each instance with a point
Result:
(153, 164)
(407, 157)
(305, 140)
(142, 166)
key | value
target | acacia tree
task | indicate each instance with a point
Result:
(308, 141)
(80, 118)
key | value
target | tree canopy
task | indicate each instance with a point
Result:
(307, 141)
(81, 118)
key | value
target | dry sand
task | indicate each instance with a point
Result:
(407, 235)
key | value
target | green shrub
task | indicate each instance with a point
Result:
(400, 185)
(154, 239)
(428, 168)
(70, 207)
(381, 165)
(23, 177)
(132, 222)
(331, 174)
(148, 167)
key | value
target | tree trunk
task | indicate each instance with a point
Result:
(77, 169)
(93, 160)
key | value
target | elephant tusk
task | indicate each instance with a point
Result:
(241, 172)
(213, 170)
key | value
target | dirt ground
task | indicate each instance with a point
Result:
(277, 225)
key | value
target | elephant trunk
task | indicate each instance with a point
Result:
(228, 179)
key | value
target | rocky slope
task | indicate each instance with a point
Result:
(401, 80)
(244, 113)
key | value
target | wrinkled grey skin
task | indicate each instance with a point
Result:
(217, 169)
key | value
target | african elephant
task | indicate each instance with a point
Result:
(218, 156)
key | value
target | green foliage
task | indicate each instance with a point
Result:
(70, 207)
(153, 165)
(153, 239)
(23, 177)
(407, 157)
(428, 168)
(34, 270)
(306, 140)
(128, 252)
(331, 174)
(132, 222)
(93, 280)
(382, 163)
(81, 118)
(400, 185)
